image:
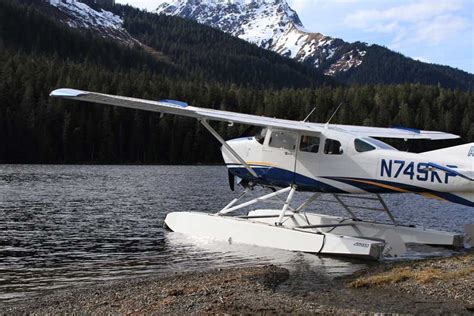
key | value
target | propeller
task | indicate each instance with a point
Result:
(231, 180)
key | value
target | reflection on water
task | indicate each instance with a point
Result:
(63, 226)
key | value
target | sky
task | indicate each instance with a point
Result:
(434, 31)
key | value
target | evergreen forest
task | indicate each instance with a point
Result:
(39, 54)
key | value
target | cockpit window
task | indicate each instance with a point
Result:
(332, 147)
(260, 136)
(309, 144)
(362, 146)
(284, 140)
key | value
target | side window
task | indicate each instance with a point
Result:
(309, 144)
(283, 140)
(361, 146)
(332, 147)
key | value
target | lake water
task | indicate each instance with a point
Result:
(64, 226)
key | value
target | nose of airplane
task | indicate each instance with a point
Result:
(239, 145)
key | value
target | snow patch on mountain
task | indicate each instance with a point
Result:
(79, 15)
(273, 25)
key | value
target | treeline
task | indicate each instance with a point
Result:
(383, 66)
(37, 129)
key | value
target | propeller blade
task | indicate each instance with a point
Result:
(231, 180)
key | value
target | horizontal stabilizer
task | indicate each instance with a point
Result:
(449, 170)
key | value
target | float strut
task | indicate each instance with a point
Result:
(256, 200)
(303, 206)
(286, 205)
(241, 195)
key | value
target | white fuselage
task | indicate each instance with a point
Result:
(337, 162)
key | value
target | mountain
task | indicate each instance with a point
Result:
(273, 25)
(221, 61)
(78, 14)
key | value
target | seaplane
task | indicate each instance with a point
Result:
(347, 162)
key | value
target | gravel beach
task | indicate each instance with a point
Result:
(433, 286)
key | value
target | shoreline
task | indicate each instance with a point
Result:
(427, 286)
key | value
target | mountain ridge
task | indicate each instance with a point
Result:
(273, 25)
(150, 34)
(78, 14)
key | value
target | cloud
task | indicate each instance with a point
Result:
(411, 12)
(440, 28)
(425, 21)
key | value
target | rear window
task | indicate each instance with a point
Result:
(361, 146)
(378, 143)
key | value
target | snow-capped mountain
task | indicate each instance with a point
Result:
(79, 15)
(270, 24)
(273, 25)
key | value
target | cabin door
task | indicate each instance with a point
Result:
(308, 156)
(279, 154)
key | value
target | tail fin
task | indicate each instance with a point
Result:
(464, 155)
(462, 152)
(457, 160)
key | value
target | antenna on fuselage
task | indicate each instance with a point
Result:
(307, 117)
(335, 112)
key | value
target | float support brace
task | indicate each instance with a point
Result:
(234, 200)
(386, 209)
(303, 206)
(285, 206)
(259, 199)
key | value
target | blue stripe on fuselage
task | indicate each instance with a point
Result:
(411, 188)
(279, 177)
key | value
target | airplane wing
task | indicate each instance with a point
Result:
(394, 132)
(182, 109)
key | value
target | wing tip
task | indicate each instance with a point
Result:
(66, 93)
(434, 135)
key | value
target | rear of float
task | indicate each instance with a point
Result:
(296, 230)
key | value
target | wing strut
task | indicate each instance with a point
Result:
(224, 143)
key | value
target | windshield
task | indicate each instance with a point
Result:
(260, 136)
